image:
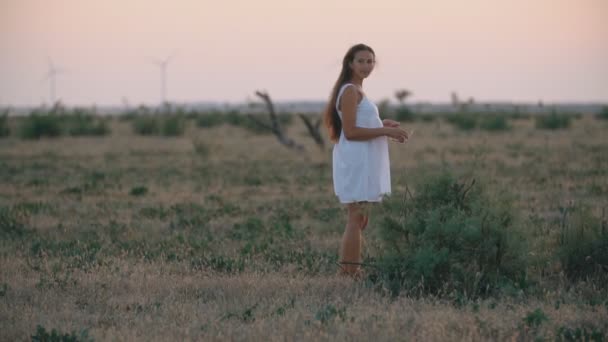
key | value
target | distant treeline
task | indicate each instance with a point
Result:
(319, 106)
(173, 121)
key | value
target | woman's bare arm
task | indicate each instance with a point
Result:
(348, 107)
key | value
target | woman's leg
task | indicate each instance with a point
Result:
(350, 250)
(365, 221)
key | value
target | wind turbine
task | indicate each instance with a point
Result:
(51, 76)
(162, 64)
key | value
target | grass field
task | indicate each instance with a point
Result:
(222, 233)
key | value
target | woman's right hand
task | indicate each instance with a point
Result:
(396, 133)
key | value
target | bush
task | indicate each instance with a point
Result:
(58, 122)
(583, 244)
(55, 336)
(245, 121)
(11, 224)
(234, 118)
(4, 129)
(81, 124)
(428, 117)
(553, 121)
(208, 120)
(251, 122)
(146, 125)
(494, 123)
(463, 121)
(603, 114)
(160, 124)
(584, 333)
(173, 125)
(450, 238)
(329, 313)
(535, 318)
(404, 114)
(38, 125)
(138, 191)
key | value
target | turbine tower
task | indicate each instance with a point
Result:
(51, 75)
(162, 64)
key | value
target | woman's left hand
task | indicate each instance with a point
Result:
(390, 123)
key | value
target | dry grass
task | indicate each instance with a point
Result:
(161, 301)
(158, 266)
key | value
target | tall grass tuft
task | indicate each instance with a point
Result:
(583, 244)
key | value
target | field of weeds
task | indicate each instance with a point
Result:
(216, 231)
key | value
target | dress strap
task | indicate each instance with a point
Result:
(342, 89)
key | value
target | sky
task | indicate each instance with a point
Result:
(223, 51)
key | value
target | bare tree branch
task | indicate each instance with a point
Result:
(313, 129)
(275, 126)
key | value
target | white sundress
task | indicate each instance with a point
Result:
(361, 169)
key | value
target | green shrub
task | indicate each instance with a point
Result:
(55, 336)
(81, 124)
(146, 125)
(234, 118)
(220, 264)
(583, 244)
(248, 230)
(166, 125)
(38, 125)
(427, 117)
(553, 121)
(535, 318)
(450, 238)
(584, 333)
(251, 122)
(132, 114)
(4, 288)
(404, 114)
(4, 128)
(11, 224)
(208, 120)
(173, 125)
(248, 121)
(138, 191)
(494, 123)
(463, 121)
(603, 114)
(329, 313)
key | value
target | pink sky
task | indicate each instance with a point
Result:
(492, 50)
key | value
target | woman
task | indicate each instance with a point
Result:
(361, 171)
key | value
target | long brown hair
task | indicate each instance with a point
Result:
(330, 117)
